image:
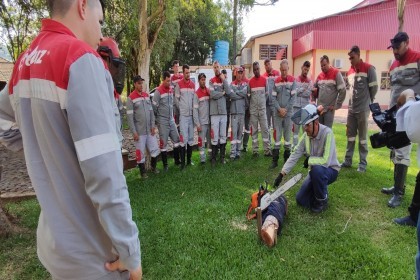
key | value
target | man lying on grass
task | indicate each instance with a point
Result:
(318, 143)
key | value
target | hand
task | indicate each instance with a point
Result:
(278, 180)
(198, 128)
(283, 112)
(135, 274)
(153, 131)
(404, 96)
(135, 136)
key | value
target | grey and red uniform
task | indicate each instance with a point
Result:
(62, 99)
(282, 97)
(141, 120)
(238, 95)
(163, 104)
(271, 77)
(304, 88)
(175, 78)
(202, 102)
(364, 86)
(331, 94)
(258, 116)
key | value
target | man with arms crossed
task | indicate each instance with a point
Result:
(62, 99)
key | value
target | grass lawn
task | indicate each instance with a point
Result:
(192, 226)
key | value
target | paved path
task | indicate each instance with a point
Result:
(15, 183)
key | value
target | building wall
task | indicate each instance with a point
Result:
(280, 38)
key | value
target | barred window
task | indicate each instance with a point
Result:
(385, 80)
(273, 52)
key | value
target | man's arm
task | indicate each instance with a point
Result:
(196, 119)
(177, 96)
(93, 131)
(155, 101)
(292, 97)
(130, 115)
(10, 135)
(341, 88)
(295, 156)
(214, 93)
(373, 83)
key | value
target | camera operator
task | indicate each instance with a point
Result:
(405, 74)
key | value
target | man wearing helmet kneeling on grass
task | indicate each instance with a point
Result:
(319, 144)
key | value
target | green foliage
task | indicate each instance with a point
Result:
(192, 226)
(19, 23)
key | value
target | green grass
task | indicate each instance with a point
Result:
(192, 226)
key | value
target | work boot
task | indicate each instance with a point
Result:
(189, 155)
(176, 156)
(399, 187)
(319, 205)
(389, 190)
(142, 169)
(153, 163)
(213, 155)
(182, 157)
(286, 154)
(405, 221)
(274, 163)
(164, 156)
(222, 153)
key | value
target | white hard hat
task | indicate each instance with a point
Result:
(305, 115)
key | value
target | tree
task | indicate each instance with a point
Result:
(19, 21)
(400, 14)
(240, 6)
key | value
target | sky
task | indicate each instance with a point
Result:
(289, 12)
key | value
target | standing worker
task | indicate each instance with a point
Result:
(188, 118)
(203, 101)
(405, 74)
(364, 86)
(175, 78)
(141, 121)
(61, 99)
(282, 98)
(331, 91)
(163, 101)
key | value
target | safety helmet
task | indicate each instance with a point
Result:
(108, 47)
(305, 115)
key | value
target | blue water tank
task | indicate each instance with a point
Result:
(221, 52)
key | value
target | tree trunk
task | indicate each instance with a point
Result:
(235, 30)
(6, 227)
(400, 14)
(143, 67)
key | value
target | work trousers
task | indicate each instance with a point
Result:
(218, 129)
(357, 123)
(237, 126)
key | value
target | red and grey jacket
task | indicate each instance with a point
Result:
(364, 86)
(283, 94)
(176, 78)
(331, 88)
(258, 94)
(405, 74)
(218, 89)
(203, 100)
(163, 103)
(238, 95)
(303, 91)
(63, 100)
(271, 77)
(140, 115)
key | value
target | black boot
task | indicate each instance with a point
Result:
(182, 157)
(274, 163)
(222, 153)
(153, 163)
(164, 156)
(189, 155)
(176, 156)
(142, 169)
(389, 190)
(399, 187)
(405, 221)
(286, 154)
(319, 205)
(213, 155)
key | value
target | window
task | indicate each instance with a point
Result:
(346, 80)
(385, 80)
(273, 52)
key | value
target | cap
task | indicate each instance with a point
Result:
(108, 47)
(137, 79)
(354, 49)
(398, 39)
(240, 69)
(305, 115)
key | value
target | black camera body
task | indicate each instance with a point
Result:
(387, 122)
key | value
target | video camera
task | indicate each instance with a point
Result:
(386, 121)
